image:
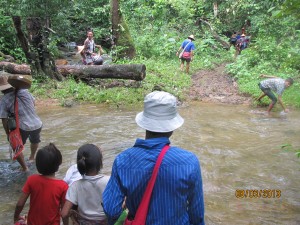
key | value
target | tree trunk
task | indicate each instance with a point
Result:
(15, 68)
(120, 31)
(34, 46)
(225, 44)
(125, 71)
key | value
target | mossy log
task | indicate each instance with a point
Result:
(125, 71)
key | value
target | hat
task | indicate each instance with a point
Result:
(4, 85)
(191, 37)
(20, 81)
(79, 48)
(160, 113)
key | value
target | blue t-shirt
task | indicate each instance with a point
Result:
(190, 47)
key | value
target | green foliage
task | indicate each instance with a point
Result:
(274, 51)
(290, 148)
(161, 74)
(158, 28)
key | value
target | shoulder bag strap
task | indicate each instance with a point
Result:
(186, 46)
(142, 211)
(16, 110)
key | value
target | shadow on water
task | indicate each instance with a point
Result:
(239, 149)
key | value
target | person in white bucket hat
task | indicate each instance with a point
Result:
(178, 192)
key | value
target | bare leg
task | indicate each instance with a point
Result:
(33, 149)
(187, 67)
(260, 97)
(181, 65)
(270, 107)
(21, 161)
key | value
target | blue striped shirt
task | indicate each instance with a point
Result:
(177, 196)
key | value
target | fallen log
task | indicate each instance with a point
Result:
(14, 68)
(124, 71)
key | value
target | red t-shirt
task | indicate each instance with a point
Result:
(46, 198)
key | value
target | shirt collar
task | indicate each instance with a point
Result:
(152, 142)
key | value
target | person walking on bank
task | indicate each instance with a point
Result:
(277, 85)
(185, 52)
(177, 196)
(30, 123)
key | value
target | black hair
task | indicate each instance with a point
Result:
(8, 90)
(48, 159)
(152, 134)
(89, 30)
(290, 80)
(89, 159)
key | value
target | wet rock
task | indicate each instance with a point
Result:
(11, 174)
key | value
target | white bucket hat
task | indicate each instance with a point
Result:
(160, 113)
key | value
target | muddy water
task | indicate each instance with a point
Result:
(238, 150)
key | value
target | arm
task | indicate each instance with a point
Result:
(113, 197)
(20, 205)
(267, 76)
(281, 103)
(195, 197)
(66, 210)
(5, 126)
(179, 50)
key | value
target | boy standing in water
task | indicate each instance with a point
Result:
(274, 84)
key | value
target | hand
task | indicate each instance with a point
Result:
(262, 75)
(286, 110)
(176, 53)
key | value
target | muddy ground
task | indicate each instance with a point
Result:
(216, 86)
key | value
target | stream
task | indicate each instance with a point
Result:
(239, 150)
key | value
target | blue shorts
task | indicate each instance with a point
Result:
(269, 93)
(34, 136)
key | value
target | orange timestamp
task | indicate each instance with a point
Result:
(255, 193)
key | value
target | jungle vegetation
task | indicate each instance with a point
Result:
(150, 32)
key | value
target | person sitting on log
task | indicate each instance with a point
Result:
(88, 52)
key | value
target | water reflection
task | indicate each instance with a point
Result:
(238, 149)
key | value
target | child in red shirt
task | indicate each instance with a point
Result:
(47, 193)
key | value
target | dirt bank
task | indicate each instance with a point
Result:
(216, 86)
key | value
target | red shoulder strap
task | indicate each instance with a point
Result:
(142, 211)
